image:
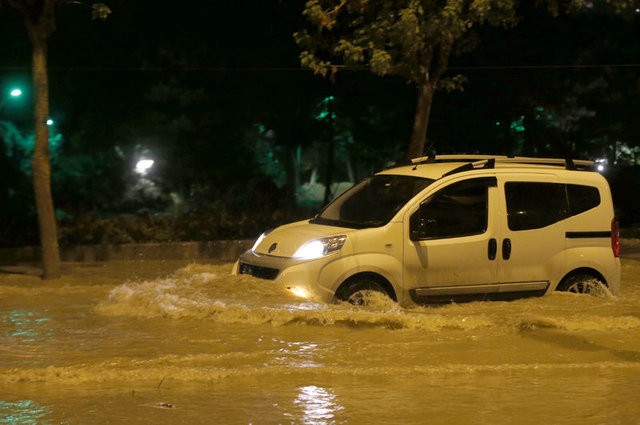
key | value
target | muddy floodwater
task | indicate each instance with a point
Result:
(180, 343)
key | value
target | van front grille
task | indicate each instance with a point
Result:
(259, 271)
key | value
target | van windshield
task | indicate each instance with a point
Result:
(372, 202)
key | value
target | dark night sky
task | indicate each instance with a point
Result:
(108, 62)
(247, 46)
(139, 42)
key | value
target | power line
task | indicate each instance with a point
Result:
(221, 69)
(536, 67)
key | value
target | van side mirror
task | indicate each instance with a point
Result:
(420, 224)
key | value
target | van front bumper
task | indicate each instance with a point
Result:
(300, 277)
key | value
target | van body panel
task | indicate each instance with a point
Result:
(494, 292)
(449, 262)
(379, 250)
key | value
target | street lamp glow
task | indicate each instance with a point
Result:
(15, 92)
(143, 166)
(49, 121)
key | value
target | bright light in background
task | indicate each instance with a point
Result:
(601, 164)
(13, 93)
(143, 166)
(49, 121)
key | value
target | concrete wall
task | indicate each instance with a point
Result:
(212, 250)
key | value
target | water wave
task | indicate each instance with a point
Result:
(209, 292)
(157, 375)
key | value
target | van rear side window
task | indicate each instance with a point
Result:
(533, 205)
(582, 198)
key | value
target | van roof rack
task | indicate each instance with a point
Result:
(489, 161)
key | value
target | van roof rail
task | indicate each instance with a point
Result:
(568, 163)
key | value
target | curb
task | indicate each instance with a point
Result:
(210, 250)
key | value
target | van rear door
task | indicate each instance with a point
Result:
(532, 242)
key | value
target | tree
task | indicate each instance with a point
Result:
(413, 39)
(553, 87)
(40, 22)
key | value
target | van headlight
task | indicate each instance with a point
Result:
(320, 247)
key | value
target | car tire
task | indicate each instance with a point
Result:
(359, 291)
(582, 283)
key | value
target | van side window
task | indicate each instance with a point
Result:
(534, 205)
(460, 209)
(582, 198)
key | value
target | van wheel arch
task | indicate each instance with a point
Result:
(364, 280)
(571, 282)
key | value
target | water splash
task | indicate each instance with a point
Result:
(210, 292)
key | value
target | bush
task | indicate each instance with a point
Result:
(214, 224)
(144, 227)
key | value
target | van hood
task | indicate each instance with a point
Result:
(285, 240)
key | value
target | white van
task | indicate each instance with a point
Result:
(449, 229)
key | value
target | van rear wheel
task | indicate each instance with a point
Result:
(583, 283)
(360, 291)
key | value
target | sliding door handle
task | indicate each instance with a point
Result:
(506, 249)
(492, 249)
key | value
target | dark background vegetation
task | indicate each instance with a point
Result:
(241, 134)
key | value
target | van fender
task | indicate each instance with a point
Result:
(334, 274)
(586, 259)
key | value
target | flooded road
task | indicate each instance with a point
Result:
(179, 343)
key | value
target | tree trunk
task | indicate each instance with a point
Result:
(40, 163)
(421, 120)
(294, 172)
(328, 177)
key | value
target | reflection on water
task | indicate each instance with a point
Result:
(298, 354)
(196, 345)
(318, 404)
(24, 325)
(23, 412)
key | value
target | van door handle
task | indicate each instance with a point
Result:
(492, 249)
(506, 248)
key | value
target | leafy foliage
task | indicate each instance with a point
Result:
(408, 38)
(412, 39)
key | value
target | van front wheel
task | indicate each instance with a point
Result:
(361, 292)
(582, 283)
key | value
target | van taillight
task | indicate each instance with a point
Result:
(615, 237)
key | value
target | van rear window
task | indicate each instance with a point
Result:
(533, 205)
